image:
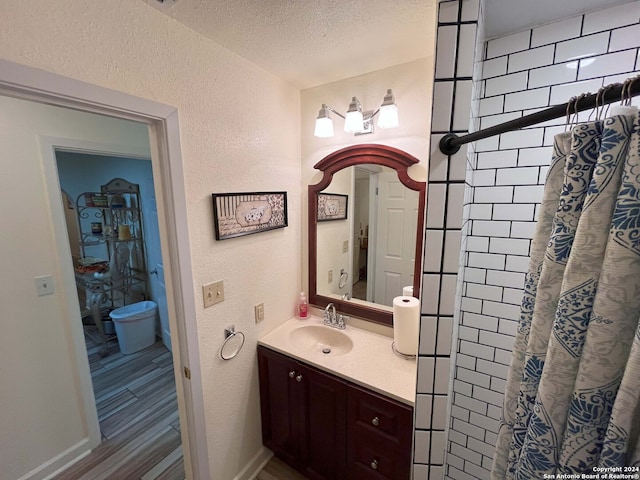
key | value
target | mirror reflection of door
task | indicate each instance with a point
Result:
(397, 216)
(383, 232)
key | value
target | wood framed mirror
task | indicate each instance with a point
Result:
(337, 228)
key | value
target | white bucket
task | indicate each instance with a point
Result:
(135, 326)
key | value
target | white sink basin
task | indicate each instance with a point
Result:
(322, 339)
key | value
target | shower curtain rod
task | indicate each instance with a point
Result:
(450, 143)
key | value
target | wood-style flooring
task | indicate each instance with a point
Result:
(138, 414)
(276, 469)
(359, 290)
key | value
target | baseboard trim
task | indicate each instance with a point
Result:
(60, 462)
(257, 463)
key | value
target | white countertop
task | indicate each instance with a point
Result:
(371, 363)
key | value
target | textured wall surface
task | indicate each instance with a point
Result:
(239, 129)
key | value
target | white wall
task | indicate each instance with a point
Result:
(521, 73)
(41, 414)
(239, 132)
(412, 86)
(332, 234)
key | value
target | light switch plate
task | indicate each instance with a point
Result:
(213, 293)
(259, 312)
(330, 276)
(345, 246)
(44, 285)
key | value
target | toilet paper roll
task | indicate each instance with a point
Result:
(406, 324)
(407, 291)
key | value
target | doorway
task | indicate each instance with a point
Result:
(40, 341)
(131, 368)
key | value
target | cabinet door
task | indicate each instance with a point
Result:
(279, 406)
(324, 420)
(379, 442)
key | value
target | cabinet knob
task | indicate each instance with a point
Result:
(299, 378)
(292, 373)
(374, 464)
(375, 421)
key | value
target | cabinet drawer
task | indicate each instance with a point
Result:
(379, 443)
(380, 416)
(376, 462)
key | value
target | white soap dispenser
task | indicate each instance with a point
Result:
(303, 307)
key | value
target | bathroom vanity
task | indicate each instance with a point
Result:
(338, 404)
(346, 414)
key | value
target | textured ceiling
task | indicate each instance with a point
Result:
(313, 42)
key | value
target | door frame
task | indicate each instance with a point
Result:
(27, 83)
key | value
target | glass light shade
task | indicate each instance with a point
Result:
(353, 122)
(388, 116)
(324, 127)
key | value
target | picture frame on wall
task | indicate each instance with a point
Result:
(245, 213)
(332, 206)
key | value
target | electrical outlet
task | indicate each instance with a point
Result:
(213, 293)
(44, 285)
(259, 312)
(345, 246)
(330, 277)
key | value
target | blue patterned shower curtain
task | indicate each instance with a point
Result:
(572, 401)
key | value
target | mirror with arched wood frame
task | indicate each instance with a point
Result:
(359, 155)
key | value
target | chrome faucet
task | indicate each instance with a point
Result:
(334, 319)
(330, 315)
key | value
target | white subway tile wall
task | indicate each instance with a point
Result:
(556, 32)
(445, 54)
(495, 67)
(509, 44)
(466, 51)
(448, 12)
(442, 108)
(626, 14)
(535, 57)
(582, 47)
(456, 95)
(521, 73)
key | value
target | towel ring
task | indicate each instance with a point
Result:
(343, 278)
(232, 344)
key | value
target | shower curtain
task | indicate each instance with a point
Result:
(572, 401)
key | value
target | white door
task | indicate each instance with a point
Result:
(395, 238)
(155, 265)
(159, 290)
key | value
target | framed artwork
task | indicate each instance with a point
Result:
(332, 207)
(238, 214)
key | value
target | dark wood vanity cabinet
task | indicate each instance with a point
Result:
(330, 429)
(303, 415)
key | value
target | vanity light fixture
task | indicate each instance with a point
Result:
(356, 121)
